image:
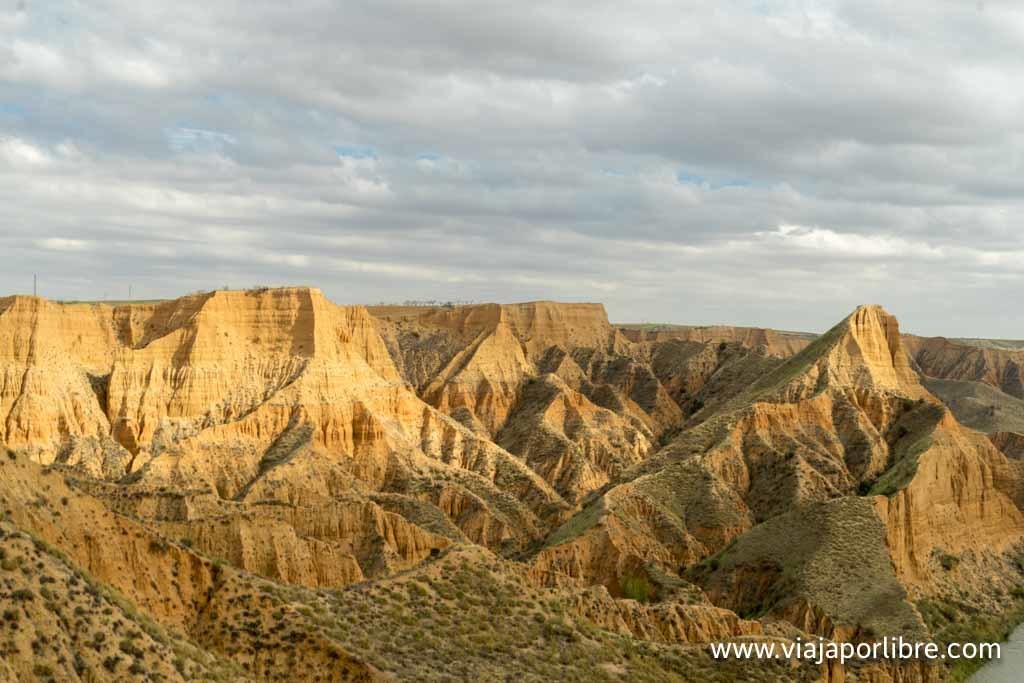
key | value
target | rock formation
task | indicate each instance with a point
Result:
(948, 359)
(265, 485)
(771, 342)
(845, 416)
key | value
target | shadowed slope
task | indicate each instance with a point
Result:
(847, 415)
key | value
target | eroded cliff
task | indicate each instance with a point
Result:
(269, 475)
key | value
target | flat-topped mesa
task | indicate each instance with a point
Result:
(52, 357)
(34, 328)
(999, 366)
(470, 361)
(92, 375)
(770, 342)
(221, 355)
(538, 325)
(296, 321)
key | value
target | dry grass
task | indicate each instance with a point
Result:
(833, 555)
(57, 623)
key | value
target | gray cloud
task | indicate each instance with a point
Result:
(748, 162)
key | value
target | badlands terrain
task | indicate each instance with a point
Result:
(263, 485)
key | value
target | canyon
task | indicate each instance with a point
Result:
(264, 485)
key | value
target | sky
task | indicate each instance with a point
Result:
(745, 162)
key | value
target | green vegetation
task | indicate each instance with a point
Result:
(947, 560)
(911, 436)
(833, 555)
(471, 617)
(158, 545)
(637, 587)
(900, 474)
(795, 365)
(952, 621)
(98, 628)
(580, 522)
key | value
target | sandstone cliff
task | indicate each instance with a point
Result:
(771, 342)
(188, 594)
(948, 359)
(846, 416)
(287, 486)
(273, 395)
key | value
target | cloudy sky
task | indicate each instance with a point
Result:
(751, 162)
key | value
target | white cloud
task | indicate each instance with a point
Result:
(132, 70)
(291, 260)
(20, 153)
(527, 152)
(829, 243)
(63, 244)
(182, 139)
(35, 62)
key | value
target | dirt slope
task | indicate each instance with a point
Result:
(271, 486)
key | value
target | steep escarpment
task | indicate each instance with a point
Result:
(846, 417)
(570, 441)
(54, 360)
(216, 363)
(504, 371)
(949, 359)
(476, 357)
(212, 616)
(963, 497)
(271, 486)
(256, 399)
(813, 428)
(281, 396)
(772, 342)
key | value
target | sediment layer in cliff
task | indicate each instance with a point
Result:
(641, 484)
(844, 419)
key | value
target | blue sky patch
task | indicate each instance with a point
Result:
(184, 139)
(355, 151)
(687, 178)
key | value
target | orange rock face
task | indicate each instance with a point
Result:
(947, 359)
(660, 483)
(772, 342)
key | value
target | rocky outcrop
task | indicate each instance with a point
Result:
(54, 363)
(481, 365)
(948, 359)
(963, 496)
(664, 622)
(823, 424)
(261, 395)
(476, 357)
(572, 443)
(494, 346)
(778, 471)
(737, 483)
(671, 519)
(1011, 444)
(768, 341)
(183, 591)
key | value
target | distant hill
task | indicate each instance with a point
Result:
(264, 485)
(979, 406)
